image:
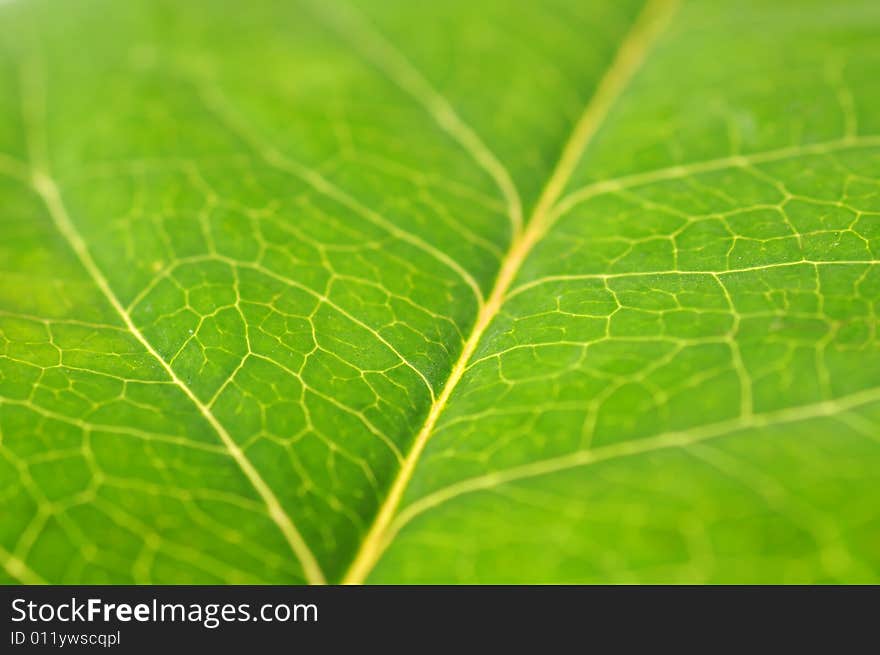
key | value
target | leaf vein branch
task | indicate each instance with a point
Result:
(626, 62)
(48, 191)
(710, 165)
(392, 63)
(216, 103)
(18, 570)
(664, 441)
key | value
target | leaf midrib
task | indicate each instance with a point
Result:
(648, 25)
(645, 29)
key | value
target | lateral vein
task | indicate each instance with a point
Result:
(216, 103)
(629, 57)
(392, 63)
(664, 441)
(48, 191)
(19, 570)
(710, 165)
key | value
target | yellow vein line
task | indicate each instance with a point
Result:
(48, 191)
(33, 102)
(325, 299)
(322, 298)
(216, 103)
(394, 65)
(18, 569)
(574, 277)
(663, 441)
(630, 55)
(86, 426)
(710, 165)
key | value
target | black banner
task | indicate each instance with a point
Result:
(411, 619)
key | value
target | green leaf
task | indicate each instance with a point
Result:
(439, 292)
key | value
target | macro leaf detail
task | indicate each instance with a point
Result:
(396, 292)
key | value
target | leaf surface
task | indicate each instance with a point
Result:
(452, 292)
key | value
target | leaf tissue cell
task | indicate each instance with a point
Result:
(374, 291)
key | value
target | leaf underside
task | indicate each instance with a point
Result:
(399, 292)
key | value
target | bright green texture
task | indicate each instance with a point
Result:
(289, 216)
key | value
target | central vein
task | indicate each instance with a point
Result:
(629, 57)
